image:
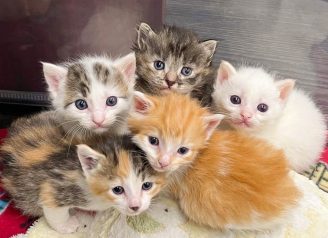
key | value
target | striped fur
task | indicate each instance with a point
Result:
(177, 48)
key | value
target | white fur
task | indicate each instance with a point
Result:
(97, 109)
(294, 124)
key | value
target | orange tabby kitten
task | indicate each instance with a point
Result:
(222, 179)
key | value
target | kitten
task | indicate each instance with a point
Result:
(47, 176)
(174, 59)
(258, 105)
(92, 95)
(223, 179)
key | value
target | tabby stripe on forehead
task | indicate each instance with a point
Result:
(102, 72)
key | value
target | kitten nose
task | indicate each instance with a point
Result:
(169, 82)
(98, 122)
(246, 115)
(163, 163)
(98, 118)
(134, 208)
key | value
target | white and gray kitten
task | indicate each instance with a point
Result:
(92, 95)
(257, 104)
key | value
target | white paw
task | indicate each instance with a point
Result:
(70, 226)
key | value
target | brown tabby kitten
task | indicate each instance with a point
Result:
(174, 59)
(46, 175)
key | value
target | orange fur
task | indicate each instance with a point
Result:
(234, 178)
(231, 180)
(124, 165)
(47, 195)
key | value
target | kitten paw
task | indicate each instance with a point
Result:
(70, 226)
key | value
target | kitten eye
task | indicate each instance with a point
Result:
(159, 65)
(118, 190)
(111, 101)
(81, 104)
(183, 150)
(153, 140)
(235, 99)
(186, 71)
(262, 107)
(147, 185)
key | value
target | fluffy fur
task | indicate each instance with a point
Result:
(221, 179)
(292, 121)
(47, 176)
(186, 62)
(92, 95)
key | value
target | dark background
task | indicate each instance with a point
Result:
(286, 36)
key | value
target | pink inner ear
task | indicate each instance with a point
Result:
(130, 70)
(89, 163)
(286, 88)
(140, 105)
(223, 74)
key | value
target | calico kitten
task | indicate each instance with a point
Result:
(220, 179)
(92, 95)
(174, 59)
(47, 176)
(260, 106)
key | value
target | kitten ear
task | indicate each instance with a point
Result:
(142, 103)
(285, 87)
(144, 33)
(209, 46)
(225, 71)
(211, 123)
(54, 75)
(89, 158)
(127, 65)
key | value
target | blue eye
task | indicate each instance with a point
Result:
(186, 71)
(81, 104)
(153, 140)
(262, 107)
(159, 65)
(183, 150)
(118, 190)
(147, 185)
(235, 99)
(111, 101)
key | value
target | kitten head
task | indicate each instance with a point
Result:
(249, 97)
(92, 93)
(120, 174)
(172, 59)
(170, 129)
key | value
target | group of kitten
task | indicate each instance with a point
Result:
(123, 130)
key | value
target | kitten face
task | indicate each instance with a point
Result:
(249, 97)
(93, 93)
(174, 59)
(123, 178)
(171, 129)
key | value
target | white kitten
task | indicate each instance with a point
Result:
(93, 94)
(258, 105)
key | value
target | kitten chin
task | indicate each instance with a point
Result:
(109, 172)
(174, 59)
(225, 180)
(92, 95)
(257, 104)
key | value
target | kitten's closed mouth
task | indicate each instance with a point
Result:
(242, 123)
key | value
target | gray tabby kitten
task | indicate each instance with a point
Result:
(174, 59)
(47, 176)
(92, 95)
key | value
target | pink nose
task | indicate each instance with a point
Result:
(98, 121)
(163, 163)
(246, 115)
(169, 82)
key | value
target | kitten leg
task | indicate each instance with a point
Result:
(60, 220)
